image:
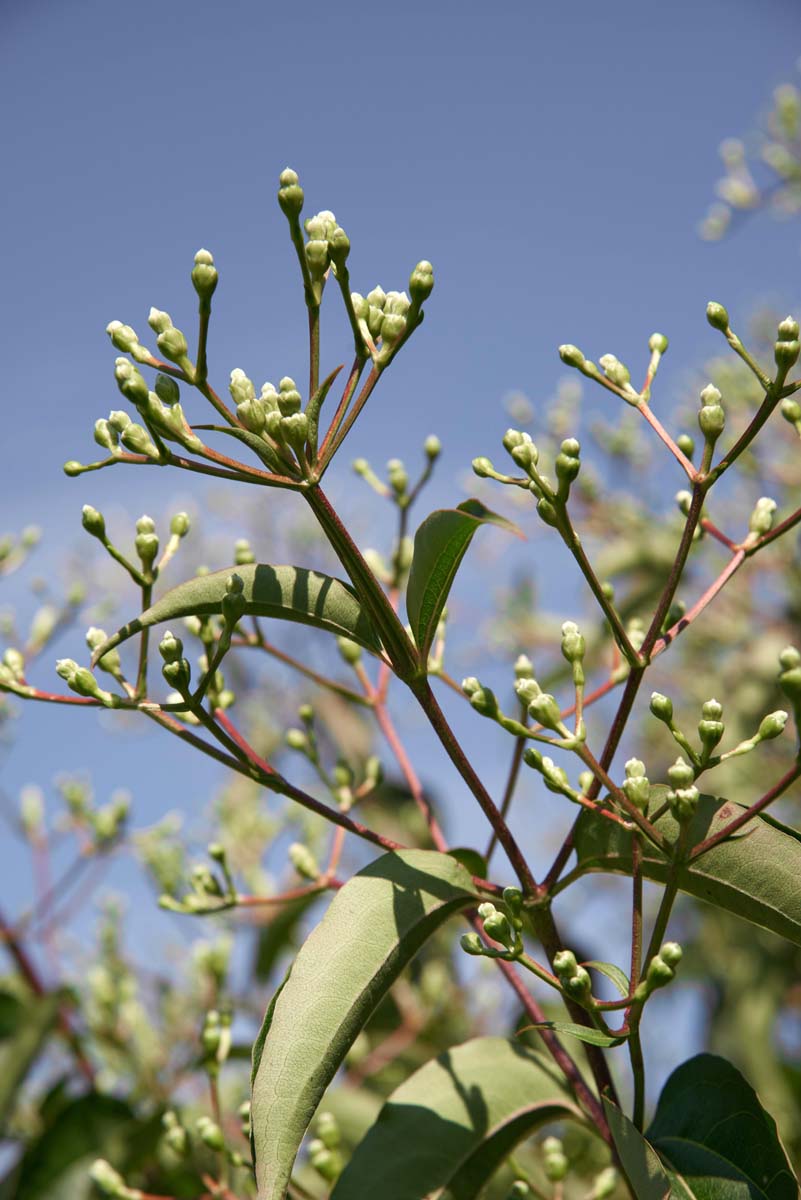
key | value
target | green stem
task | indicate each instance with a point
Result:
(638, 1072)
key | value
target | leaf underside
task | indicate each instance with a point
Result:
(756, 874)
(445, 1131)
(373, 927)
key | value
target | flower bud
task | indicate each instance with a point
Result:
(681, 773)
(614, 370)
(546, 711)
(109, 662)
(432, 447)
(605, 1184)
(135, 438)
(105, 436)
(671, 953)
(790, 677)
(146, 541)
(761, 519)
(294, 430)
(233, 602)
(524, 668)
(772, 726)
(289, 399)
(788, 330)
(661, 707)
(547, 512)
(172, 344)
(290, 194)
(573, 644)
(717, 316)
(791, 411)
(683, 802)
(177, 673)
(130, 381)
(350, 651)
(565, 964)
(210, 1133)
(571, 356)
(482, 467)
(786, 354)
(398, 476)
(204, 277)
(554, 1163)
(118, 419)
(636, 786)
(657, 343)
(167, 389)
(686, 444)
(712, 421)
(171, 648)
(107, 1180)
(93, 522)
(421, 282)
(471, 943)
(180, 525)
(338, 247)
(123, 337)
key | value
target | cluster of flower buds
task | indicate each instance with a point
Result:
(636, 786)
(81, 680)
(502, 928)
(174, 1136)
(711, 417)
(661, 971)
(787, 347)
(554, 1160)
(12, 669)
(555, 777)
(209, 892)
(574, 979)
(710, 728)
(215, 1039)
(683, 795)
(274, 415)
(160, 410)
(613, 372)
(170, 341)
(176, 670)
(319, 229)
(324, 1149)
(541, 706)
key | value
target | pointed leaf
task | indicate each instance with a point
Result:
(373, 927)
(439, 547)
(756, 874)
(289, 593)
(712, 1132)
(257, 444)
(446, 1129)
(316, 403)
(618, 977)
(591, 1037)
(639, 1161)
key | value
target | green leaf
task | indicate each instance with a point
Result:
(440, 545)
(257, 444)
(639, 1161)
(471, 860)
(592, 1037)
(619, 978)
(445, 1131)
(289, 593)
(712, 1132)
(316, 403)
(756, 875)
(373, 927)
(25, 1029)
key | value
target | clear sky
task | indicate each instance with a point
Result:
(552, 161)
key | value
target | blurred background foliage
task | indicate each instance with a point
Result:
(102, 1050)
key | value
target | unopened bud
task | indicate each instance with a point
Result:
(661, 707)
(204, 276)
(772, 726)
(681, 773)
(290, 194)
(761, 519)
(421, 282)
(571, 355)
(717, 316)
(93, 522)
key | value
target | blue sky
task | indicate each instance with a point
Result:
(551, 160)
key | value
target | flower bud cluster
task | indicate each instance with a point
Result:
(661, 971)
(174, 1136)
(554, 1160)
(555, 777)
(575, 980)
(541, 706)
(82, 681)
(319, 229)
(273, 415)
(501, 927)
(614, 371)
(711, 418)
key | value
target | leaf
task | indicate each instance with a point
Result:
(257, 444)
(712, 1132)
(592, 1037)
(440, 545)
(638, 1160)
(619, 978)
(289, 593)
(756, 875)
(446, 1129)
(373, 927)
(316, 403)
(25, 1028)
(471, 860)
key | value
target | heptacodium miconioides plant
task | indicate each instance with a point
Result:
(451, 1125)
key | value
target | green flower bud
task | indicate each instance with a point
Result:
(210, 1133)
(107, 1180)
(373, 770)
(398, 476)
(717, 316)
(167, 390)
(118, 420)
(289, 399)
(93, 522)
(290, 194)
(496, 925)
(432, 447)
(72, 468)
(681, 773)
(526, 689)
(482, 467)
(204, 277)
(295, 430)
(772, 726)
(788, 330)
(243, 554)
(710, 733)
(15, 661)
(659, 974)
(712, 421)
(338, 247)
(146, 541)
(791, 411)
(657, 343)
(554, 1164)
(177, 673)
(176, 1139)
(109, 662)
(172, 344)
(565, 964)
(547, 512)
(159, 321)
(105, 436)
(786, 354)
(683, 802)
(123, 337)
(566, 468)
(130, 381)
(614, 370)
(180, 525)
(350, 651)
(233, 602)
(761, 519)
(790, 677)
(328, 1130)
(519, 1190)
(135, 438)
(241, 387)
(421, 282)
(605, 1184)
(573, 644)
(483, 700)
(171, 648)
(671, 953)
(545, 710)
(513, 438)
(686, 444)
(571, 356)
(471, 943)
(661, 707)
(296, 739)
(323, 1160)
(524, 668)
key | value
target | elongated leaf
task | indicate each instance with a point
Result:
(25, 1031)
(316, 403)
(756, 874)
(374, 925)
(716, 1138)
(591, 1037)
(639, 1161)
(618, 977)
(289, 593)
(256, 443)
(440, 545)
(446, 1130)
